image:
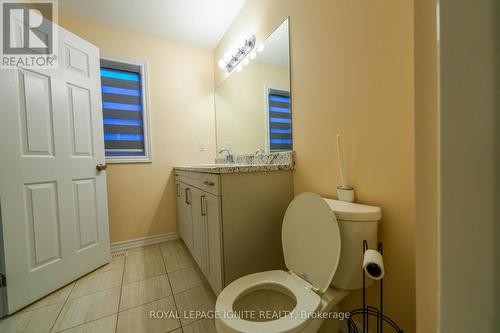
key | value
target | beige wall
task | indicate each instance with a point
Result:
(352, 73)
(426, 158)
(142, 196)
(240, 102)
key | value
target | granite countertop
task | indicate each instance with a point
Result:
(247, 163)
(235, 168)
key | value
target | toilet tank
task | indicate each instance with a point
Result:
(356, 223)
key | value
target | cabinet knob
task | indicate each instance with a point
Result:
(209, 183)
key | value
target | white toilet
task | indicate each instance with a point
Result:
(323, 249)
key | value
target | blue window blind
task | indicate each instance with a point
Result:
(280, 120)
(122, 106)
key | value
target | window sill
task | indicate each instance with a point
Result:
(128, 160)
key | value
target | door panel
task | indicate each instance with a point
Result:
(16, 28)
(77, 60)
(80, 114)
(36, 114)
(86, 213)
(54, 202)
(43, 232)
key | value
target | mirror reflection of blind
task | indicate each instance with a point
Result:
(122, 109)
(280, 120)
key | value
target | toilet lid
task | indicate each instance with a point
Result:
(311, 240)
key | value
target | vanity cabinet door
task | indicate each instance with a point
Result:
(199, 250)
(212, 209)
(180, 208)
(185, 215)
(199, 216)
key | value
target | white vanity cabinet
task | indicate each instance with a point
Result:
(231, 222)
(199, 219)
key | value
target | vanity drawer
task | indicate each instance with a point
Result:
(204, 181)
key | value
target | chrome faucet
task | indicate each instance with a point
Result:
(259, 151)
(229, 157)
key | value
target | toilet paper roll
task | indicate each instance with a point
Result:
(373, 264)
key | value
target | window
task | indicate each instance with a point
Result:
(126, 119)
(280, 120)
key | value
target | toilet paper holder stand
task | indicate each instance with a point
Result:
(370, 311)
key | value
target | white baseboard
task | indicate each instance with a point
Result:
(143, 241)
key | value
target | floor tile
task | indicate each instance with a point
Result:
(87, 308)
(196, 299)
(103, 325)
(142, 254)
(176, 256)
(185, 279)
(145, 291)
(143, 270)
(137, 320)
(200, 326)
(34, 321)
(93, 283)
(92, 302)
(115, 263)
(58, 296)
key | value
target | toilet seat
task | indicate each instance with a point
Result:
(311, 248)
(311, 240)
(307, 302)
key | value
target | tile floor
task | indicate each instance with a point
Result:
(119, 296)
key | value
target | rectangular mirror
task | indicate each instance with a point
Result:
(253, 106)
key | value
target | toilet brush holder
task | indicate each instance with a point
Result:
(345, 193)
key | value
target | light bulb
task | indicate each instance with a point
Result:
(222, 64)
(252, 54)
(260, 48)
(239, 68)
(227, 57)
(245, 61)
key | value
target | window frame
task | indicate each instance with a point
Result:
(146, 116)
(267, 88)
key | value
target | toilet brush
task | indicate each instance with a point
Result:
(344, 191)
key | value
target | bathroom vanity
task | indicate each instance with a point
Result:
(230, 217)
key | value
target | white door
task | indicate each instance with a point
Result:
(53, 200)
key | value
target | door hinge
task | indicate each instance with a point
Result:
(3, 280)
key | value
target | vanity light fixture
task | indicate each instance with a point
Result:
(236, 57)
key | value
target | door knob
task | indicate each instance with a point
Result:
(101, 167)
